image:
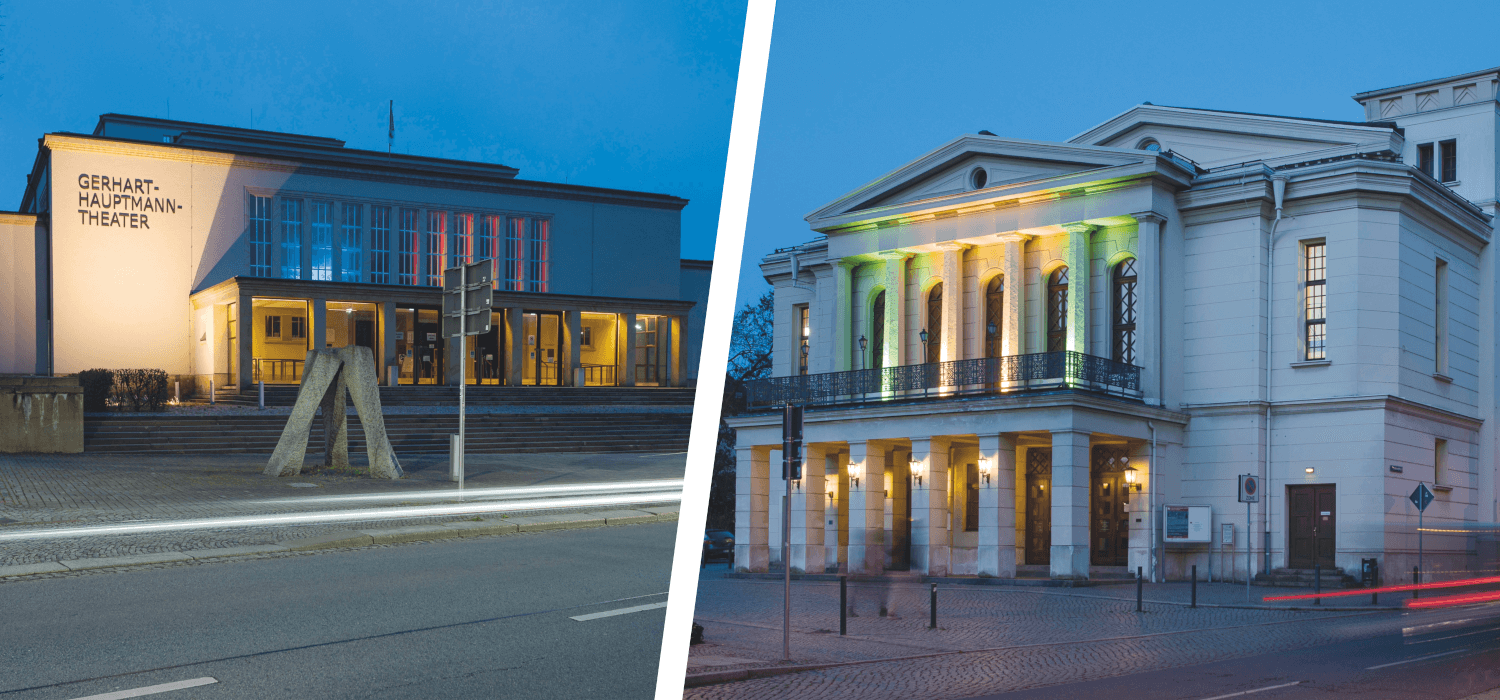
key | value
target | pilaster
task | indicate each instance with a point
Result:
(895, 308)
(1070, 504)
(1012, 335)
(867, 508)
(843, 313)
(808, 504)
(929, 508)
(953, 301)
(1148, 324)
(751, 516)
(997, 506)
(1077, 258)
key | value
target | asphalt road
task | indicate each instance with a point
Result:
(471, 618)
(1436, 655)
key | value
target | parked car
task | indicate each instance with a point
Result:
(718, 545)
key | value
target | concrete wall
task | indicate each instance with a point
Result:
(19, 236)
(696, 275)
(41, 414)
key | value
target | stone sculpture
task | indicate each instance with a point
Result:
(328, 374)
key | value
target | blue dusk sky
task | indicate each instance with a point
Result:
(857, 89)
(633, 95)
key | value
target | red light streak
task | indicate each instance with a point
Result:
(1454, 600)
(1392, 589)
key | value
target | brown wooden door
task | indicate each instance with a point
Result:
(1312, 522)
(1110, 524)
(1039, 507)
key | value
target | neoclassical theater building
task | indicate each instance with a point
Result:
(1023, 358)
(225, 254)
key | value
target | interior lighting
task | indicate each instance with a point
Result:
(1309, 470)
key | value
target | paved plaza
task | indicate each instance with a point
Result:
(993, 639)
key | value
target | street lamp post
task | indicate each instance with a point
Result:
(804, 355)
(923, 335)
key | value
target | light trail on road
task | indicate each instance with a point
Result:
(488, 493)
(409, 512)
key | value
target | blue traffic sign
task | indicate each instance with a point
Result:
(1421, 497)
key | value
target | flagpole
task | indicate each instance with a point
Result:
(391, 135)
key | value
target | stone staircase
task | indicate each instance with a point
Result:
(583, 397)
(409, 433)
(1332, 578)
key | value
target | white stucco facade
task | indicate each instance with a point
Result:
(1188, 346)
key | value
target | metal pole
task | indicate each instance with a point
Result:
(1420, 513)
(262, 393)
(1139, 571)
(463, 367)
(933, 606)
(211, 392)
(1194, 604)
(786, 565)
(1249, 528)
(1416, 580)
(843, 605)
(1317, 582)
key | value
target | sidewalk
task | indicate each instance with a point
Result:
(52, 491)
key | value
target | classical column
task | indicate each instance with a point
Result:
(895, 307)
(1077, 258)
(1148, 325)
(515, 318)
(1070, 503)
(1012, 335)
(575, 346)
(867, 509)
(627, 369)
(843, 315)
(929, 507)
(997, 506)
(752, 475)
(953, 301)
(808, 503)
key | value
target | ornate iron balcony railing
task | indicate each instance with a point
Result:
(986, 375)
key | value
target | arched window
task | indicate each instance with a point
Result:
(877, 331)
(1124, 312)
(994, 316)
(935, 323)
(1057, 310)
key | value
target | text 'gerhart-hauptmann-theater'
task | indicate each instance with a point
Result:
(223, 253)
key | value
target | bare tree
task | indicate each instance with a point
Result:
(749, 359)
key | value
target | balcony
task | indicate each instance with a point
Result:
(985, 376)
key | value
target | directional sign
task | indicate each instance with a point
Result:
(1421, 497)
(468, 294)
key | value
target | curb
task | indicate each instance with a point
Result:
(361, 538)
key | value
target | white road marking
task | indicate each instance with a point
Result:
(1419, 658)
(621, 611)
(153, 689)
(1257, 690)
(1454, 636)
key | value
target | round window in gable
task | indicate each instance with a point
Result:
(1149, 145)
(979, 178)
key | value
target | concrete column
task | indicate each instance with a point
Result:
(387, 349)
(836, 478)
(664, 344)
(317, 324)
(1012, 335)
(751, 508)
(808, 504)
(679, 331)
(1070, 503)
(844, 346)
(997, 507)
(1148, 293)
(627, 370)
(867, 509)
(929, 508)
(1142, 533)
(895, 308)
(513, 317)
(953, 302)
(246, 340)
(575, 337)
(1077, 258)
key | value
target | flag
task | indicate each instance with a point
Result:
(392, 134)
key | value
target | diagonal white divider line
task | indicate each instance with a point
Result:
(1257, 690)
(621, 611)
(343, 516)
(1419, 658)
(152, 689)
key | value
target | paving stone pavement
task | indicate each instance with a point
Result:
(60, 490)
(1013, 638)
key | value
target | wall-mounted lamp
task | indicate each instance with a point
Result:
(1309, 470)
(831, 486)
(855, 470)
(863, 343)
(985, 465)
(917, 468)
(1132, 479)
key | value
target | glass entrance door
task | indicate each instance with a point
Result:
(543, 336)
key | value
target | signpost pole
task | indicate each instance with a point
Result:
(1248, 527)
(463, 368)
(1420, 513)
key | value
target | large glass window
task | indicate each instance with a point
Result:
(1440, 318)
(320, 218)
(994, 316)
(1448, 151)
(407, 246)
(933, 346)
(484, 244)
(351, 323)
(514, 235)
(1057, 310)
(351, 252)
(1315, 302)
(804, 347)
(877, 331)
(279, 340)
(598, 353)
(650, 360)
(536, 257)
(291, 239)
(462, 252)
(380, 245)
(1124, 312)
(260, 236)
(419, 347)
(437, 246)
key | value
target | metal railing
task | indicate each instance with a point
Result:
(275, 371)
(985, 375)
(598, 375)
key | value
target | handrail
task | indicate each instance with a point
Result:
(985, 375)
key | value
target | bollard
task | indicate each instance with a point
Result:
(177, 392)
(843, 605)
(1139, 570)
(262, 393)
(933, 606)
(1194, 604)
(1416, 580)
(1317, 582)
(211, 392)
(1375, 581)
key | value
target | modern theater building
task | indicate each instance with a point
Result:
(225, 254)
(1018, 356)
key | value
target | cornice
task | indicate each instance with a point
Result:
(1269, 126)
(15, 218)
(1023, 402)
(407, 294)
(1335, 404)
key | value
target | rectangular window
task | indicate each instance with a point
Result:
(298, 326)
(1440, 318)
(489, 232)
(320, 217)
(406, 248)
(437, 246)
(804, 336)
(536, 257)
(514, 234)
(291, 239)
(1425, 160)
(260, 236)
(1448, 159)
(380, 245)
(463, 240)
(1440, 462)
(1315, 302)
(273, 326)
(351, 253)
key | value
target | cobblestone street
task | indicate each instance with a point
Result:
(993, 639)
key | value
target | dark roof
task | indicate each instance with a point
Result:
(1376, 125)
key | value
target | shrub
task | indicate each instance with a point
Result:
(96, 386)
(141, 389)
